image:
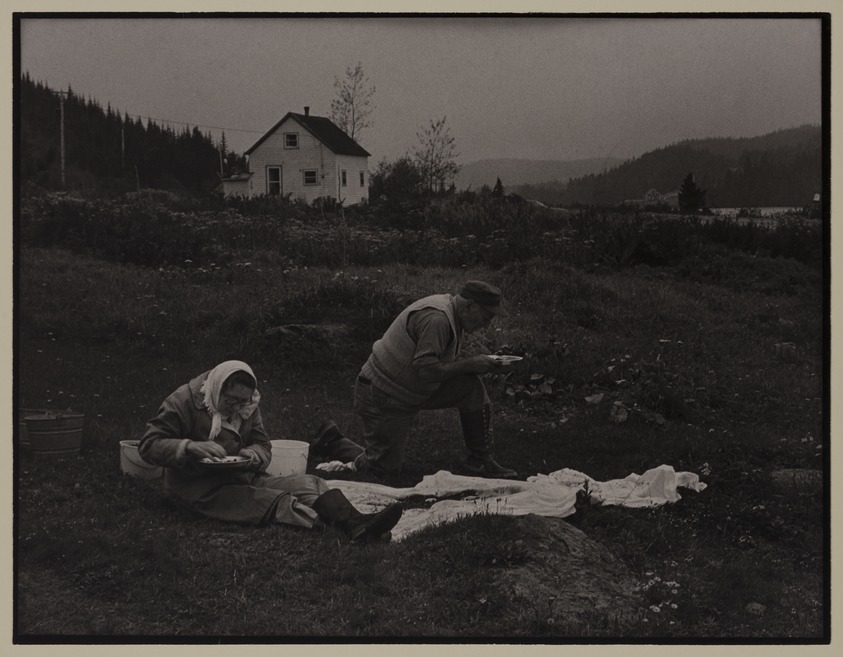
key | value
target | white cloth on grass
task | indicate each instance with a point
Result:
(554, 495)
(336, 466)
(655, 487)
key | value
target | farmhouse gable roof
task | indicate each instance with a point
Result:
(324, 130)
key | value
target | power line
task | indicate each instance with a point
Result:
(198, 125)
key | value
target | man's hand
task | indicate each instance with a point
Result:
(483, 364)
(473, 365)
(200, 449)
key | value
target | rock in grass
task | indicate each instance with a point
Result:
(297, 333)
(755, 609)
(618, 413)
(563, 573)
(786, 351)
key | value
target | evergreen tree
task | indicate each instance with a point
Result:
(107, 150)
(223, 155)
(498, 190)
(691, 197)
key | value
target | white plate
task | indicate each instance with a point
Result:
(225, 462)
(506, 360)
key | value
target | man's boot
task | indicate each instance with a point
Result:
(329, 443)
(477, 433)
(333, 507)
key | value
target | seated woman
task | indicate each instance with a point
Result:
(216, 415)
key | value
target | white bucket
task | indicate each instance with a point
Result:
(289, 457)
(132, 464)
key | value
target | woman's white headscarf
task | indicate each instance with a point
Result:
(212, 387)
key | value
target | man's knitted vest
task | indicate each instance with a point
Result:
(390, 366)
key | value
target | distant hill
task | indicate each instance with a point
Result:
(782, 168)
(521, 171)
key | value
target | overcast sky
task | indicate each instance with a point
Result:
(538, 88)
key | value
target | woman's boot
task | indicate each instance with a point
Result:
(333, 507)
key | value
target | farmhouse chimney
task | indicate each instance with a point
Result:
(306, 110)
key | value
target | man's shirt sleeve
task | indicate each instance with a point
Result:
(431, 331)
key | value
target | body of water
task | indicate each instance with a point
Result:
(757, 212)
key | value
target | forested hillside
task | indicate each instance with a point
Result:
(105, 151)
(782, 168)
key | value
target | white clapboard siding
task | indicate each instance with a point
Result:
(311, 154)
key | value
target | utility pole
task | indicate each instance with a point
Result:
(122, 146)
(62, 95)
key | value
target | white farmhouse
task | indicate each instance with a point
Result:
(307, 157)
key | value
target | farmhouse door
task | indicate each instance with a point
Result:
(273, 180)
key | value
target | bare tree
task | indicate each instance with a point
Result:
(436, 155)
(353, 106)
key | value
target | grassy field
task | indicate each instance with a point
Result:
(688, 346)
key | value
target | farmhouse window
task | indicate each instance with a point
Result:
(362, 179)
(273, 180)
(310, 177)
(291, 140)
(344, 178)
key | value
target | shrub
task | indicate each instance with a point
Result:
(454, 230)
(789, 238)
(716, 264)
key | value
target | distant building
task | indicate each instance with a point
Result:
(307, 157)
(653, 198)
(814, 211)
(671, 199)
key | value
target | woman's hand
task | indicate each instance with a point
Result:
(252, 455)
(200, 449)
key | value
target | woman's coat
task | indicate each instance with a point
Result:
(251, 497)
